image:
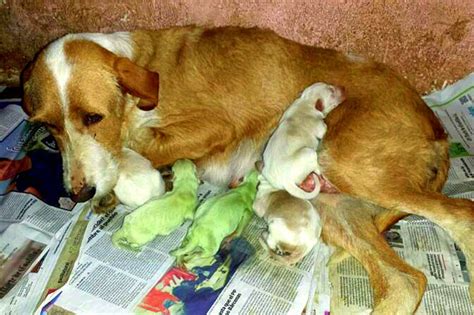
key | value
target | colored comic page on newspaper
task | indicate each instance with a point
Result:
(421, 243)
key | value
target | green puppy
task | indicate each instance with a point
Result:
(163, 215)
(217, 218)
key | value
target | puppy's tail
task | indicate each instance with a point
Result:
(295, 190)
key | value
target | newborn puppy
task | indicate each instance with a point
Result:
(163, 215)
(290, 159)
(215, 219)
(294, 225)
(138, 181)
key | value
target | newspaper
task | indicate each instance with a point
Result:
(421, 243)
(108, 279)
(454, 106)
(10, 117)
(25, 298)
(262, 286)
(320, 295)
(424, 246)
(30, 229)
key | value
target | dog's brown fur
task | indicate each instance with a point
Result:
(222, 86)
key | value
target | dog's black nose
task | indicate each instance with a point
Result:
(84, 194)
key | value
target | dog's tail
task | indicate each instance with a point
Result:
(295, 190)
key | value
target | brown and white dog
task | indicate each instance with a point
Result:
(221, 92)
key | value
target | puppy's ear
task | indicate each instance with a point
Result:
(259, 166)
(138, 81)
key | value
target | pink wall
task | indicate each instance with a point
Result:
(427, 41)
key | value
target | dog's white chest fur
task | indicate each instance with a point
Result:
(240, 163)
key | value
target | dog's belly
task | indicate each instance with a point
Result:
(224, 171)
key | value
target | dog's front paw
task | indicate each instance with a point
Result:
(105, 204)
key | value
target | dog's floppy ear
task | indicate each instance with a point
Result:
(138, 81)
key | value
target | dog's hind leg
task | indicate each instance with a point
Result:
(387, 218)
(348, 224)
(454, 215)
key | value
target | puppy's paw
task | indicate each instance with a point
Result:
(105, 204)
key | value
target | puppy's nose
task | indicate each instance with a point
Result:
(86, 193)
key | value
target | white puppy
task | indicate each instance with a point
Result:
(290, 161)
(294, 225)
(138, 181)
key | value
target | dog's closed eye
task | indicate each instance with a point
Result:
(92, 118)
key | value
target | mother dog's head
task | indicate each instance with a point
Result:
(77, 86)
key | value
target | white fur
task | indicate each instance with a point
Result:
(261, 202)
(61, 71)
(305, 237)
(120, 43)
(138, 181)
(290, 155)
(241, 162)
(99, 166)
(302, 215)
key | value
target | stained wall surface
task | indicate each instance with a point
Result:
(429, 42)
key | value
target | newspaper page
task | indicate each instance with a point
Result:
(454, 107)
(320, 294)
(424, 246)
(107, 279)
(421, 243)
(12, 135)
(263, 286)
(29, 228)
(25, 297)
(10, 117)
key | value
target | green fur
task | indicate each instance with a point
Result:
(217, 218)
(163, 215)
